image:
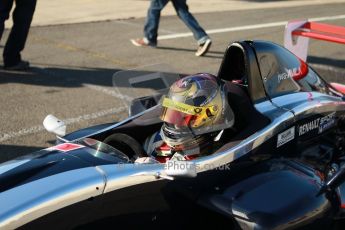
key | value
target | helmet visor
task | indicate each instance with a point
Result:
(184, 115)
(177, 118)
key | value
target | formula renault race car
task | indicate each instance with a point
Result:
(280, 166)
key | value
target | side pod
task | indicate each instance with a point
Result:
(274, 194)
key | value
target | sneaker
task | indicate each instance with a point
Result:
(20, 66)
(203, 48)
(142, 42)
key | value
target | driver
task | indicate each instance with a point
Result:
(194, 113)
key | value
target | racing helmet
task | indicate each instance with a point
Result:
(195, 108)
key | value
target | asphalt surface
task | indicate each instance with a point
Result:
(73, 67)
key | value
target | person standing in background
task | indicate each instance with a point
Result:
(181, 7)
(22, 17)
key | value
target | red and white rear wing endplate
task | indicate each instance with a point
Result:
(298, 32)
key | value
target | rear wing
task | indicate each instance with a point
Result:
(298, 32)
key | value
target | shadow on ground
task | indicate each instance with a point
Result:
(263, 0)
(76, 77)
(210, 54)
(332, 70)
(73, 77)
(326, 61)
(59, 76)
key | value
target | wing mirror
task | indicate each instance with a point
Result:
(54, 125)
(180, 169)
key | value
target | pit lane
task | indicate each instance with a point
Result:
(73, 66)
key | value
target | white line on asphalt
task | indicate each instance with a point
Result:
(22, 132)
(112, 92)
(95, 115)
(247, 27)
(39, 128)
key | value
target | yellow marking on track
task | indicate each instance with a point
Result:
(71, 48)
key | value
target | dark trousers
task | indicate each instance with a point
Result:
(22, 17)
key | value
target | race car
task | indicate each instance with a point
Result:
(281, 168)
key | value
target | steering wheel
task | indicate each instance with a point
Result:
(126, 144)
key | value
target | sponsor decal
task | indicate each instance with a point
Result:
(286, 136)
(179, 106)
(197, 110)
(327, 122)
(65, 147)
(290, 73)
(307, 127)
(321, 124)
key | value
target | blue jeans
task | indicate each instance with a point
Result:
(181, 8)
